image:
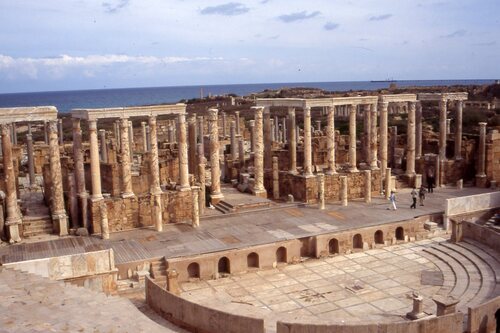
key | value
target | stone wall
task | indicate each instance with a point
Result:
(481, 234)
(472, 203)
(493, 156)
(195, 317)
(93, 270)
(482, 317)
(451, 323)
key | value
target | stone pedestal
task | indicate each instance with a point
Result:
(460, 184)
(418, 308)
(259, 189)
(13, 219)
(59, 217)
(456, 231)
(343, 190)
(321, 191)
(307, 143)
(216, 194)
(368, 186)
(445, 305)
(172, 282)
(418, 181)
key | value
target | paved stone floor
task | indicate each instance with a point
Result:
(325, 288)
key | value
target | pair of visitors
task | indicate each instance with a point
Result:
(414, 195)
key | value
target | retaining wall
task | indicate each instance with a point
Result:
(482, 317)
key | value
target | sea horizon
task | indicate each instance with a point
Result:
(66, 100)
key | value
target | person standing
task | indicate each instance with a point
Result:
(414, 195)
(430, 180)
(421, 195)
(392, 199)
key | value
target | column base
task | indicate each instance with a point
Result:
(183, 188)
(331, 172)
(13, 231)
(260, 193)
(353, 170)
(96, 198)
(308, 175)
(293, 172)
(216, 198)
(481, 181)
(128, 195)
(60, 222)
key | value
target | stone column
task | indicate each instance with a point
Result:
(330, 140)
(195, 190)
(73, 201)
(201, 135)
(59, 217)
(458, 131)
(241, 153)
(388, 185)
(234, 147)
(183, 154)
(216, 194)
(368, 186)
(148, 143)
(343, 190)
(31, 163)
(154, 168)
(273, 132)
(144, 137)
(307, 142)
(80, 171)
(192, 148)
(201, 177)
(481, 170)
(14, 133)
(131, 136)
(117, 133)
(367, 122)
(276, 179)
(95, 168)
(127, 190)
(318, 125)
(170, 134)
(237, 114)
(251, 124)
(292, 142)
(442, 129)
(13, 219)
(259, 189)
(276, 129)
(104, 148)
(393, 145)
(418, 131)
(448, 126)
(268, 140)
(321, 191)
(60, 131)
(352, 138)
(382, 106)
(103, 208)
(410, 140)
(284, 128)
(224, 125)
(373, 139)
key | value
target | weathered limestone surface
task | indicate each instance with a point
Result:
(59, 217)
(259, 189)
(214, 155)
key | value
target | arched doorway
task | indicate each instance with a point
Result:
(281, 255)
(333, 246)
(357, 241)
(379, 237)
(400, 233)
(253, 260)
(193, 270)
(224, 266)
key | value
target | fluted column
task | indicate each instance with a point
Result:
(95, 168)
(410, 140)
(127, 190)
(214, 155)
(183, 154)
(374, 137)
(13, 219)
(307, 142)
(80, 173)
(292, 142)
(418, 131)
(442, 129)
(352, 138)
(31, 162)
(268, 139)
(330, 140)
(382, 106)
(458, 131)
(481, 165)
(259, 189)
(59, 217)
(192, 148)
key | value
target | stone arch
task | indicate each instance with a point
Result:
(193, 270)
(224, 265)
(379, 237)
(253, 260)
(357, 241)
(281, 255)
(333, 246)
(400, 233)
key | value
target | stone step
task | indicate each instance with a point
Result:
(490, 260)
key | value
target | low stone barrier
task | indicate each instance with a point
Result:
(451, 323)
(482, 317)
(195, 317)
(481, 234)
(470, 204)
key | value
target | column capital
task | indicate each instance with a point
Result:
(482, 124)
(213, 114)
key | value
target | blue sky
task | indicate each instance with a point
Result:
(74, 44)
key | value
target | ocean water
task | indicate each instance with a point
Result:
(65, 101)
